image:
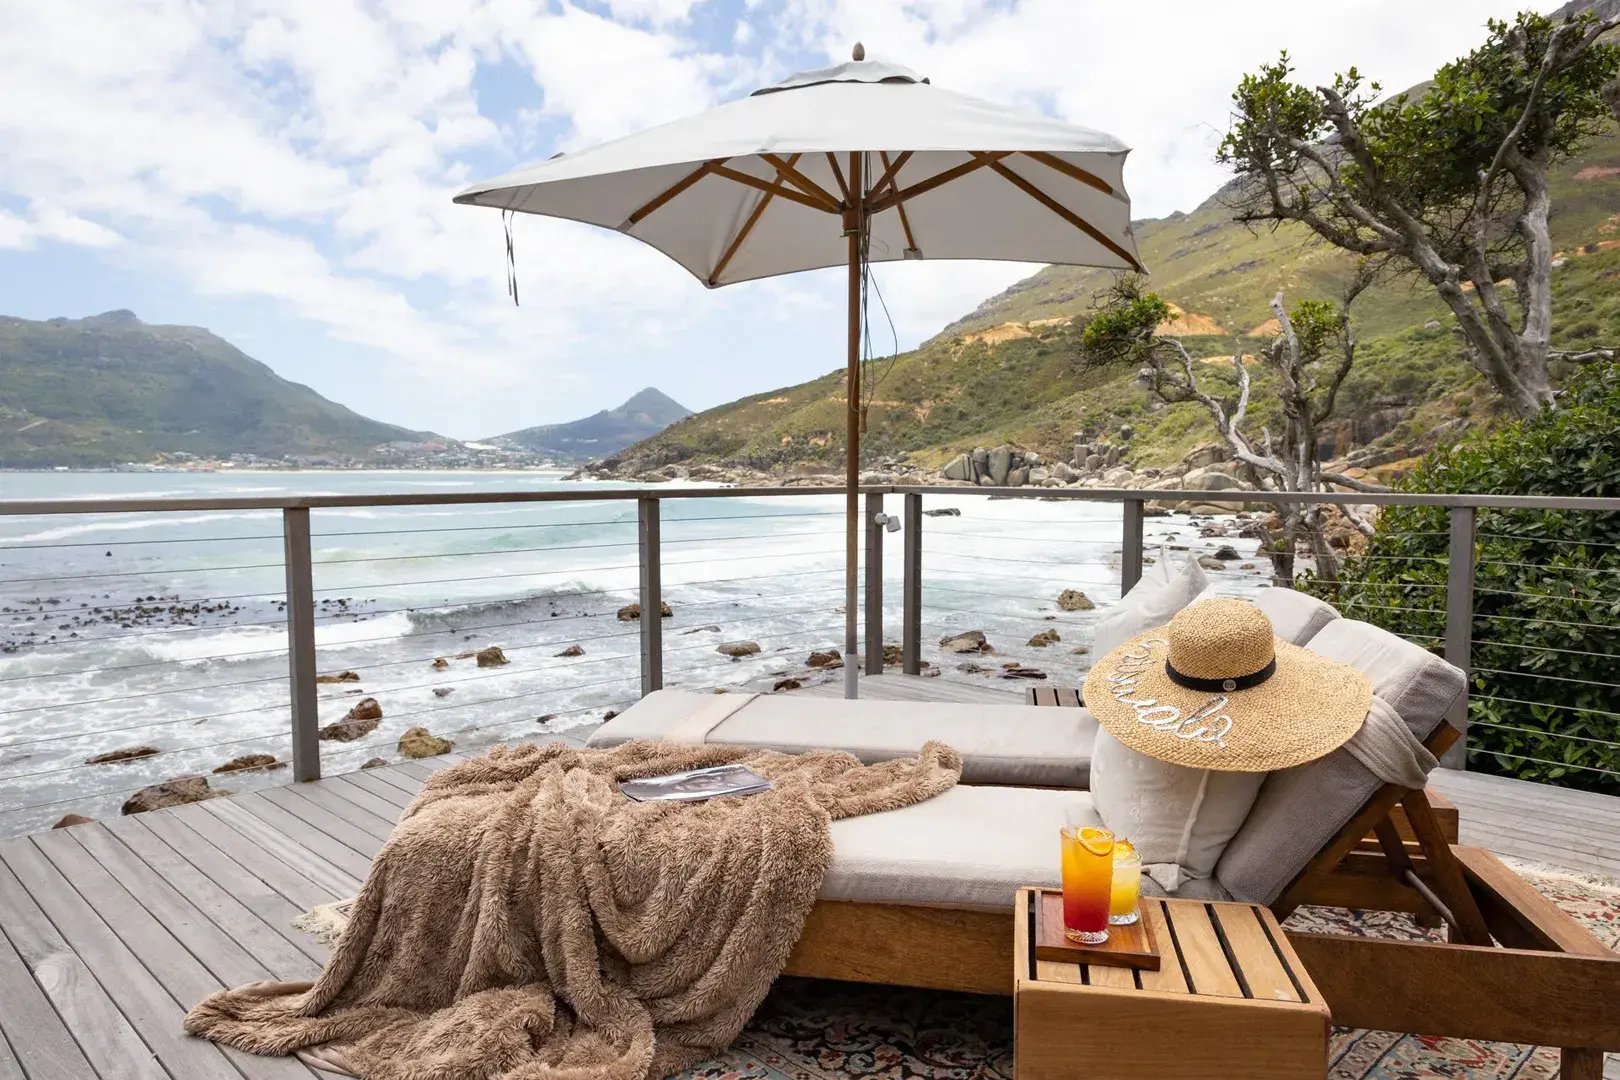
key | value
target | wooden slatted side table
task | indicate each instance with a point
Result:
(1230, 999)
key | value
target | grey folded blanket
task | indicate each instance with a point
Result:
(526, 920)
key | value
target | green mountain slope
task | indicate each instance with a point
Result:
(111, 389)
(1008, 371)
(646, 413)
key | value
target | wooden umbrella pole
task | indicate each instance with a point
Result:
(855, 229)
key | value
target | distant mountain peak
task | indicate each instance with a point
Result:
(116, 317)
(647, 412)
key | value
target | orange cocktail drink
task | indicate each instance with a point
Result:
(1126, 893)
(1088, 874)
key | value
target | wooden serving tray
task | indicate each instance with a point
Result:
(1132, 946)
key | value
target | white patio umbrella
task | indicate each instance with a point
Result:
(862, 162)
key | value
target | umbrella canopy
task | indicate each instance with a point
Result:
(857, 163)
(744, 190)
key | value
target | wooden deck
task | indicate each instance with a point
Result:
(109, 931)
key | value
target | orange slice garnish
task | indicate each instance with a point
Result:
(1123, 849)
(1097, 841)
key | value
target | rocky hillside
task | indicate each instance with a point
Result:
(1008, 372)
(111, 389)
(607, 432)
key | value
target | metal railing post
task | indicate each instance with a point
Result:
(1130, 552)
(650, 558)
(1460, 624)
(874, 585)
(911, 590)
(306, 744)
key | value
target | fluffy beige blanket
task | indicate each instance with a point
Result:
(525, 920)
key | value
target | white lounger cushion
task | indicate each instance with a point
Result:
(1016, 745)
(972, 847)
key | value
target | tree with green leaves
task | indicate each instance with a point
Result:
(1311, 355)
(1448, 183)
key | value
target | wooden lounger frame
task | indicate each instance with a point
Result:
(1516, 967)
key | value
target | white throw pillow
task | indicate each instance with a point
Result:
(1180, 819)
(1151, 603)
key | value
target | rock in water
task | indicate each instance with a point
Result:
(250, 761)
(1227, 553)
(786, 684)
(1045, 638)
(572, 650)
(443, 691)
(419, 743)
(737, 649)
(1209, 563)
(893, 656)
(632, 612)
(187, 789)
(339, 677)
(969, 641)
(129, 753)
(1074, 600)
(360, 720)
(825, 659)
(70, 820)
(491, 657)
(440, 664)
(375, 763)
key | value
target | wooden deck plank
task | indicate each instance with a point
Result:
(36, 1041)
(336, 805)
(269, 948)
(317, 828)
(340, 788)
(10, 1068)
(378, 787)
(242, 883)
(298, 890)
(406, 783)
(149, 1007)
(183, 977)
(335, 869)
(102, 1032)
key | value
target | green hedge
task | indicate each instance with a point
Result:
(1545, 700)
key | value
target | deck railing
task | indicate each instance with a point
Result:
(940, 570)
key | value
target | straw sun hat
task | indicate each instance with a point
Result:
(1216, 689)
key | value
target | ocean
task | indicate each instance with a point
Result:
(166, 630)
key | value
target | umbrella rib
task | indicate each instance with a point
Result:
(1069, 169)
(673, 190)
(838, 174)
(774, 189)
(955, 172)
(742, 233)
(786, 171)
(890, 172)
(1028, 188)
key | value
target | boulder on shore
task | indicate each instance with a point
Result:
(1210, 563)
(825, 658)
(1044, 638)
(128, 753)
(1074, 600)
(70, 820)
(491, 657)
(893, 656)
(632, 612)
(969, 641)
(251, 761)
(573, 650)
(737, 649)
(187, 789)
(1227, 553)
(786, 684)
(420, 743)
(339, 677)
(375, 763)
(440, 664)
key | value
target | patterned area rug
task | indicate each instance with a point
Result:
(811, 1030)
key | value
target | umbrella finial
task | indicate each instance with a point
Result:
(859, 53)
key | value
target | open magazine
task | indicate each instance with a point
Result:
(695, 785)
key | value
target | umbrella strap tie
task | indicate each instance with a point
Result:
(511, 257)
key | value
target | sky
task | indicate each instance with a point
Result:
(280, 171)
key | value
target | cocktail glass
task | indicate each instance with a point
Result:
(1088, 871)
(1126, 892)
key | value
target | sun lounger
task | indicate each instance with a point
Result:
(924, 896)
